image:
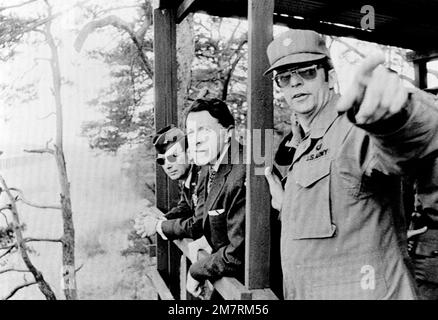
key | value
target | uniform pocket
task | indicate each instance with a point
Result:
(349, 173)
(311, 173)
(352, 278)
(311, 202)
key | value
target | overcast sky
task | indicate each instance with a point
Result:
(21, 125)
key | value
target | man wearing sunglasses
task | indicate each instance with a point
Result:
(343, 230)
(171, 146)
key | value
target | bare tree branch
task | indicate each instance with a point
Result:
(46, 149)
(8, 250)
(6, 207)
(233, 34)
(79, 268)
(26, 240)
(203, 93)
(122, 25)
(17, 5)
(4, 215)
(150, 187)
(38, 23)
(229, 74)
(12, 270)
(42, 284)
(41, 151)
(46, 116)
(11, 294)
(140, 34)
(32, 26)
(142, 31)
(33, 204)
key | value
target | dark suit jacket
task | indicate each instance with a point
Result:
(180, 218)
(185, 207)
(223, 219)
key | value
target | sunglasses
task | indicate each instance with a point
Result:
(161, 159)
(308, 73)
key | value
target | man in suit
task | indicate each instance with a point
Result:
(220, 210)
(221, 192)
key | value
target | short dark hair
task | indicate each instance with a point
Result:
(216, 108)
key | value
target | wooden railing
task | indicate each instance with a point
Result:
(229, 288)
(433, 90)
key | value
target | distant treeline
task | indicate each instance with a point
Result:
(20, 161)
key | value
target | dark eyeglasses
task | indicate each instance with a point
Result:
(161, 159)
(307, 73)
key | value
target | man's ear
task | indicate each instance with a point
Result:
(332, 78)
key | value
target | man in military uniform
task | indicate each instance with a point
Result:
(171, 146)
(343, 227)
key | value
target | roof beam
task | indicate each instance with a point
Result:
(184, 9)
(166, 4)
(422, 55)
(341, 31)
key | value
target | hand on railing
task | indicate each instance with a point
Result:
(146, 225)
(195, 246)
(193, 286)
(202, 290)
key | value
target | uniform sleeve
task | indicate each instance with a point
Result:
(189, 226)
(401, 140)
(229, 259)
(182, 209)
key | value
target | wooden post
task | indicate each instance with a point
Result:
(165, 87)
(420, 68)
(260, 117)
(183, 278)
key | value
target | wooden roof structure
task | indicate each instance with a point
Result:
(403, 23)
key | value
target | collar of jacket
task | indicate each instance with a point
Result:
(221, 158)
(189, 176)
(231, 154)
(322, 122)
(325, 118)
(224, 168)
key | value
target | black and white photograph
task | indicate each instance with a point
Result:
(198, 152)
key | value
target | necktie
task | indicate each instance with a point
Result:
(211, 175)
